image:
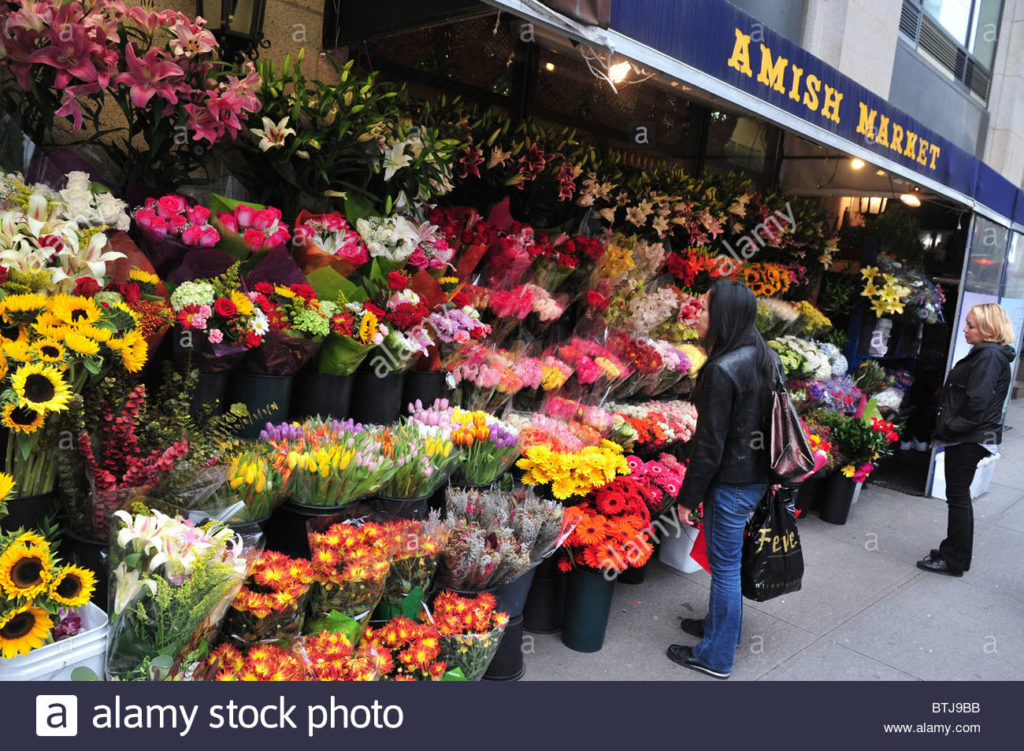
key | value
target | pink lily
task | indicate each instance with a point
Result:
(70, 52)
(147, 77)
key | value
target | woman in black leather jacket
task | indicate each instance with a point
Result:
(970, 426)
(728, 467)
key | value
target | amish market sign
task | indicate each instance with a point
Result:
(826, 102)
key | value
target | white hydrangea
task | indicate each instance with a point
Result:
(835, 357)
(193, 293)
(817, 366)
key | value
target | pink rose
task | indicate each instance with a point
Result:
(192, 236)
(254, 239)
(172, 204)
(176, 222)
(263, 219)
(228, 220)
(209, 238)
(279, 237)
(216, 336)
(244, 215)
(198, 215)
(418, 259)
(149, 220)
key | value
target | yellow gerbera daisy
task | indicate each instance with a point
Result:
(72, 586)
(81, 344)
(77, 311)
(22, 630)
(22, 419)
(41, 387)
(25, 571)
(48, 350)
(138, 275)
(243, 303)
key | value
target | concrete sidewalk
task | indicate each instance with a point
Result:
(865, 612)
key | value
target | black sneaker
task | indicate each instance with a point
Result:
(693, 626)
(684, 656)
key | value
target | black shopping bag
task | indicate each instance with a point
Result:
(773, 561)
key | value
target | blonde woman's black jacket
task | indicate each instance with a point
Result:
(971, 403)
(730, 443)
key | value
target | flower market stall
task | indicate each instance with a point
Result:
(374, 417)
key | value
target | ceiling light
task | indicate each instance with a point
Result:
(675, 83)
(549, 66)
(618, 72)
(880, 172)
(910, 200)
(857, 163)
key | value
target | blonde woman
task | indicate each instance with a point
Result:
(970, 425)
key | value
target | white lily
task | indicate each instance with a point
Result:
(272, 135)
(128, 584)
(395, 159)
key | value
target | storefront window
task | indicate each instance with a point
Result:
(1013, 296)
(988, 255)
(953, 15)
(736, 141)
(984, 30)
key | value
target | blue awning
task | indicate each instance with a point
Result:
(721, 50)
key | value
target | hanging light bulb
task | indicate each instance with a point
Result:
(857, 163)
(910, 200)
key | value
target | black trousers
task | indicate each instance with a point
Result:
(961, 463)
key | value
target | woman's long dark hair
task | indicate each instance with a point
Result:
(732, 323)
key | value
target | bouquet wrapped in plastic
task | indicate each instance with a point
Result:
(471, 629)
(351, 465)
(489, 446)
(171, 585)
(429, 458)
(350, 567)
(271, 605)
(417, 547)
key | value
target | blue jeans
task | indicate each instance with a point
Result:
(725, 517)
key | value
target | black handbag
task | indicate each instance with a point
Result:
(790, 455)
(773, 560)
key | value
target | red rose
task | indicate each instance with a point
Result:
(371, 308)
(397, 281)
(598, 300)
(264, 289)
(225, 307)
(304, 291)
(252, 340)
(461, 300)
(85, 286)
(131, 292)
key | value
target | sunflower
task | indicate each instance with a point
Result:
(81, 344)
(25, 570)
(282, 291)
(242, 303)
(99, 333)
(133, 348)
(18, 350)
(27, 303)
(368, 328)
(138, 275)
(6, 485)
(41, 387)
(22, 419)
(3, 365)
(49, 350)
(12, 332)
(22, 630)
(76, 311)
(124, 309)
(72, 586)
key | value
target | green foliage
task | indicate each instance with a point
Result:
(872, 378)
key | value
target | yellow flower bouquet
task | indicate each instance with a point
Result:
(573, 476)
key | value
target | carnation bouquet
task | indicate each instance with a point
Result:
(350, 567)
(172, 584)
(271, 605)
(470, 629)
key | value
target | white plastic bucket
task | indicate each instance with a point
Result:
(982, 476)
(54, 662)
(675, 551)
